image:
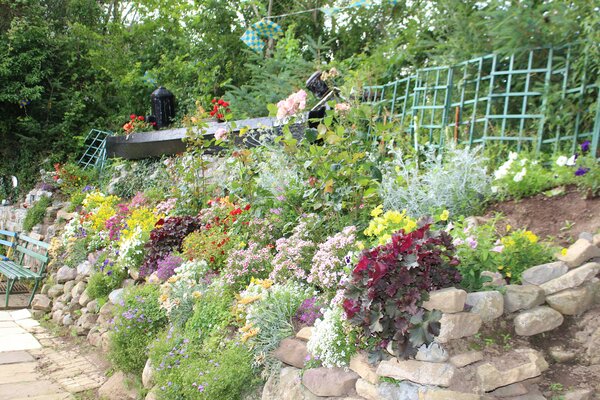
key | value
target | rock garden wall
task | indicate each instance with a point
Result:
(463, 364)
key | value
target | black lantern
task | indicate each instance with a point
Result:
(163, 107)
(316, 85)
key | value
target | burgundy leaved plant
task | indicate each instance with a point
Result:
(166, 238)
(390, 283)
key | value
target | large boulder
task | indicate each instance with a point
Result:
(78, 289)
(329, 381)
(489, 305)
(287, 385)
(359, 363)
(572, 279)
(116, 296)
(459, 325)
(56, 290)
(85, 268)
(116, 388)
(148, 375)
(572, 301)
(292, 352)
(421, 372)
(513, 367)
(41, 302)
(519, 297)
(579, 252)
(537, 320)
(65, 274)
(449, 300)
(544, 273)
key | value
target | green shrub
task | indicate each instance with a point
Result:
(222, 370)
(77, 252)
(138, 319)
(36, 213)
(105, 280)
(212, 314)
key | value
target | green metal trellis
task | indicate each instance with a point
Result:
(95, 153)
(537, 97)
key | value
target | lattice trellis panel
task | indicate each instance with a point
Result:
(545, 98)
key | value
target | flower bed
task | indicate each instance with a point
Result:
(212, 279)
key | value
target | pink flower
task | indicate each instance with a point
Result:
(290, 106)
(498, 249)
(472, 242)
(221, 134)
(342, 107)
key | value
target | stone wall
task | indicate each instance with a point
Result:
(12, 217)
(448, 369)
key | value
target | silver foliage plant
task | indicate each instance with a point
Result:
(455, 179)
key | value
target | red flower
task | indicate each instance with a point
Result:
(247, 207)
(212, 113)
(220, 102)
(141, 118)
(237, 211)
(132, 116)
(225, 104)
(160, 222)
(220, 116)
(153, 123)
(214, 100)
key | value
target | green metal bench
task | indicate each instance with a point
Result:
(8, 239)
(14, 269)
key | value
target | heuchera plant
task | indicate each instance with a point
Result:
(167, 237)
(390, 283)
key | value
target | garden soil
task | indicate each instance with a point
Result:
(561, 218)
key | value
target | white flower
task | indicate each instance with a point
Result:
(523, 162)
(494, 189)
(513, 155)
(519, 176)
(561, 161)
(571, 160)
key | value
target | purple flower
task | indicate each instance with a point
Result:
(87, 188)
(585, 146)
(472, 242)
(581, 171)
(165, 268)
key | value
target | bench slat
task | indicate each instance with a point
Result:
(41, 257)
(12, 271)
(8, 233)
(27, 239)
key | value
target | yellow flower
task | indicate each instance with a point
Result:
(394, 216)
(385, 238)
(508, 227)
(377, 211)
(444, 215)
(530, 236)
(508, 274)
(173, 279)
(265, 283)
(248, 300)
(249, 334)
(163, 298)
(241, 245)
(500, 267)
(563, 252)
(360, 245)
(197, 294)
(410, 225)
